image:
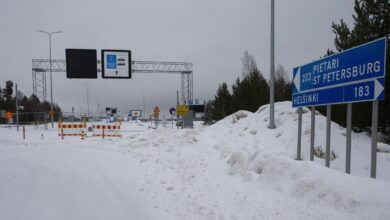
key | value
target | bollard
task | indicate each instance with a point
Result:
(82, 135)
(103, 133)
(24, 133)
(62, 132)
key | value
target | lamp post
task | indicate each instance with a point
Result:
(272, 67)
(51, 77)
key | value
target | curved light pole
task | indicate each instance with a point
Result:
(51, 78)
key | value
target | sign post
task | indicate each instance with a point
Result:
(354, 75)
(156, 114)
(172, 111)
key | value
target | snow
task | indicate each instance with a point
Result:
(234, 169)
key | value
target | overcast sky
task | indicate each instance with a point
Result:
(212, 34)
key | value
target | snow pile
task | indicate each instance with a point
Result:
(266, 157)
(243, 135)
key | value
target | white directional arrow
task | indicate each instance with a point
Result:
(297, 79)
(378, 89)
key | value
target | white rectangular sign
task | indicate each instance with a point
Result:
(136, 113)
(116, 64)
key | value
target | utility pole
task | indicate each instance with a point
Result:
(272, 69)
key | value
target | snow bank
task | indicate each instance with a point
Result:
(266, 157)
(246, 133)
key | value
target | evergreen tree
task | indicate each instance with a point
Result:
(7, 94)
(250, 93)
(31, 104)
(371, 21)
(2, 107)
(259, 89)
(221, 106)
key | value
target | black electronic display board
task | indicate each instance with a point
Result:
(81, 63)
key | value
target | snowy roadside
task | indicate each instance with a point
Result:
(235, 169)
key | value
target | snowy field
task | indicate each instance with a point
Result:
(234, 169)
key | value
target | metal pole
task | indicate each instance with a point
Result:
(177, 101)
(50, 68)
(349, 133)
(17, 107)
(312, 133)
(97, 108)
(271, 114)
(51, 84)
(87, 101)
(299, 133)
(374, 130)
(143, 104)
(328, 116)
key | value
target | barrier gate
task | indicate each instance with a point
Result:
(106, 131)
(72, 129)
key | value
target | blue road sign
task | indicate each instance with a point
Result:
(194, 102)
(357, 92)
(111, 61)
(172, 110)
(354, 75)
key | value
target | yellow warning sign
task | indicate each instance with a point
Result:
(52, 113)
(181, 110)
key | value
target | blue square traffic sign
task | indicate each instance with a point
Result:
(111, 61)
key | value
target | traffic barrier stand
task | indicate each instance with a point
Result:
(72, 129)
(106, 131)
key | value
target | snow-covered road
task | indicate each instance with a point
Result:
(56, 182)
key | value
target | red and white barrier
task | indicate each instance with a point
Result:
(106, 131)
(72, 129)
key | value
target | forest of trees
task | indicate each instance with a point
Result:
(30, 104)
(248, 93)
(371, 21)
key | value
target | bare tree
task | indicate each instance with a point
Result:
(282, 82)
(281, 73)
(248, 64)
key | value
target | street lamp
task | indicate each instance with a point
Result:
(51, 78)
(272, 67)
